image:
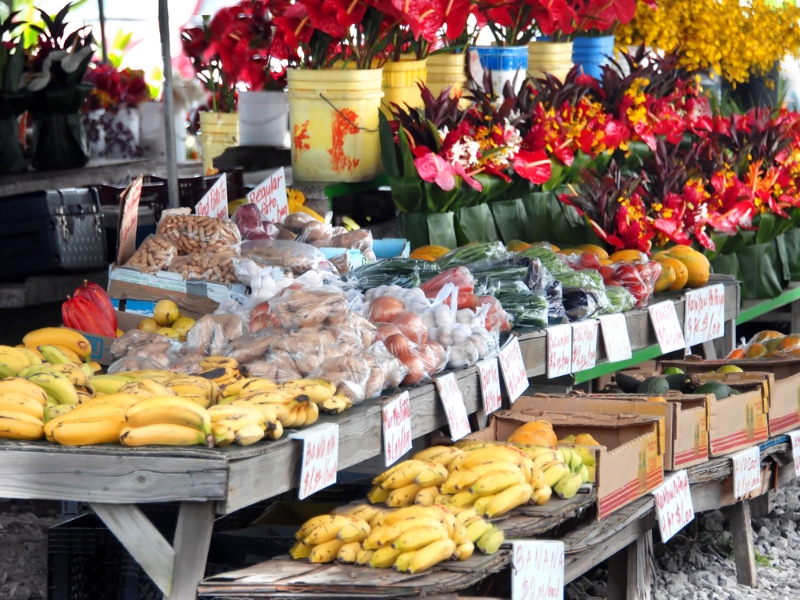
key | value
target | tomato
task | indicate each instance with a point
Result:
(590, 261)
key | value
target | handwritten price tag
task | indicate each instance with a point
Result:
(668, 327)
(128, 220)
(704, 317)
(320, 458)
(615, 337)
(559, 351)
(454, 406)
(270, 197)
(514, 374)
(584, 345)
(396, 428)
(490, 385)
(746, 472)
(215, 202)
(795, 437)
(717, 310)
(537, 571)
(674, 504)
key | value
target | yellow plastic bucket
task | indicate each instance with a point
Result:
(400, 84)
(333, 120)
(549, 57)
(218, 131)
(446, 71)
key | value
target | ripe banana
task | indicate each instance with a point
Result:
(438, 454)
(84, 433)
(53, 412)
(384, 558)
(300, 551)
(404, 475)
(327, 531)
(554, 473)
(403, 561)
(250, 384)
(508, 499)
(274, 431)
(312, 524)
(542, 495)
(462, 499)
(59, 336)
(477, 529)
(432, 475)
(378, 495)
(568, 486)
(325, 552)
(162, 435)
(348, 553)
(108, 384)
(249, 435)
(20, 426)
(335, 404)
(410, 512)
(403, 496)
(427, 496)
(491, 541)
(158, 375)
(12, 357)
(418, 538)
(361, 511)
(216, 362)
(431, 555)
(317, 390)
(15, 402)
(223, 435)
(364, 556)
(33, 356)
(237, 416)
(464, 551)
(18, 385)
(58, 386)
(497, 482)
(169, 410)
(355, 531)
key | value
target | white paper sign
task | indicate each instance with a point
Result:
(559, 351)
(454, 406)
(514, 374)
(674, 507)
(668, 329)
(704, 314)
(795, 437)
(746, 472)
(490, 385)
(537, 570)
(215, 202)
(270, 197)
(320, 457)
(396, 428)
(584, 345)
(615, 337)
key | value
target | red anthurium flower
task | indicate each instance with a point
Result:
(454, 14)
(469, 179)
(553, 15)
(533, 166)
(673, 230)
(434, 169)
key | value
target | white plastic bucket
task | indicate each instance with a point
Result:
(264, 119)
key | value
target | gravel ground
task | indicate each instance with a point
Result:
(697, 564)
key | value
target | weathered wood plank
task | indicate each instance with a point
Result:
(141, 539)
(629, 570)
(109, 479)
(743, 550)
(192, 540)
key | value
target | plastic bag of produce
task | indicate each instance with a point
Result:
(214, 267)
(289, 255)
(350, 375)
(252, 224)
(587, 293)
(155, 254)
(413, 299)
(639, 278)
(472, 253)
(402, 272)
(392, 368)
(308, 307)
(525, 308)
(196, 233)
(460, 277)
(553, 262)
(619, 300)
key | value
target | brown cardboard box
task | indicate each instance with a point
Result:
(683, 434)
(629, 463)
(784, 395)
(101, 345)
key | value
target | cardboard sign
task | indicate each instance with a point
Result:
(795, 437)
(537, 570)
(616, 339)
(584, 345)
(396, 417)
(454, 406)
(490, 385)
(128, 220)
(215, 202)
(668, 329)
(270, 197)
(559, 351)
(746, 472)
(320, 458)
(704, 315)
(674, 507)
(514, 374)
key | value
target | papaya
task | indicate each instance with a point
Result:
(736, 353)
(538, 433)
(517, 246)
(429, 253)
(628, 256)
(667, 278)
(697, 266)
(756, 351)
(598, 251)
(767, 334)
(570, 251)
(681, 272)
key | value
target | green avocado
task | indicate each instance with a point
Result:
(626, 383)
(680, 382)
(720, 390)
(653, 386)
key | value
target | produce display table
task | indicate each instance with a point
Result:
(766, 310)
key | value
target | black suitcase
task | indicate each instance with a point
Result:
(51, 231)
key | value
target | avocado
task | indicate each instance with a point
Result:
(720, 390)
(681, 382)
(627, 383)
(653, 386)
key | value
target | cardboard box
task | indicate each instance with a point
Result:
(683, 433)
(101, 345)
(784, 393)
(630, 462)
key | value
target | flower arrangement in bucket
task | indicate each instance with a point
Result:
(56, 92)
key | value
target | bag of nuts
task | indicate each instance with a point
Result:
(215, 267)
(195, 233)
(155, 254)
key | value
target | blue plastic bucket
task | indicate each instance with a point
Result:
(591, 53)
(507, 63)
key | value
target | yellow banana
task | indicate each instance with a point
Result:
(84, 433)
(56, 356)
(188, 389)
(236, 416)
(108, 384)
(403, 561)
(312, 413)
(477, 529)
(432, 475)
(155, 387)
(20, 426)
(33, 356)
(69, 353)
(250, 384)
(404, 475)
(162, 435)
(542, 495)
(410, 512)
(555, 473)
(348, 553)
(135, 389)
(18, 403)
(316, 389)
(201, 401)
(325, 552)
(53, 412)
(265, 396)
(403, 496)
(508, 499)
(312, 524)
(249, 435)
(568, 486)
(417, 538)
(300, 551)
(379, 536)
(18, 385)
(464, 551)
(60, 336)
(88, 414)
(537, 480)
(464, 514)
(158, 375)
(438, 454)
(327, 531)
(169, 410)
(360, 511)
(431, 555)
(13, 358)
(335, 404)
(216, 362)
(223, 435)
(491, 541)
(463, 498)
(497, 482)
(355, 531)
(364, 556)
(58, 386)
(274, 430)
(482, 504)
(427, 496)
(384, 558)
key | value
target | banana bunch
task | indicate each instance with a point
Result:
(98, 420)
(579, 472)
(243, 423)
(72, 343)
(292, 408)
(408, 482)
(166, 421)
(321, 539)
(222, 370)
(204, 392)
(110, 384)
(22, 406)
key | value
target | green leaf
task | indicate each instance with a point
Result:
(409, 168)
(766, 228)
(388, 147)
(13, 71)
(407, 193)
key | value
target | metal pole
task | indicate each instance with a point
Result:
(169, 106)
(102, 13)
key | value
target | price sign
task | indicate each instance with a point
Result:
(270, 197)
(537, 570)
(490, 385)
(795, 437)
(674, 507)
(396, 428)
(215, 202)
(320, 458)
(584, 345)
(746, 472)
(615, 337)
(128, 220)
(717, 310)
(559, 351)
(668, 327)
(704, 316)
(514, 373)
(453, 403)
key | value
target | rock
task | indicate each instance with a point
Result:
(20, 592)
